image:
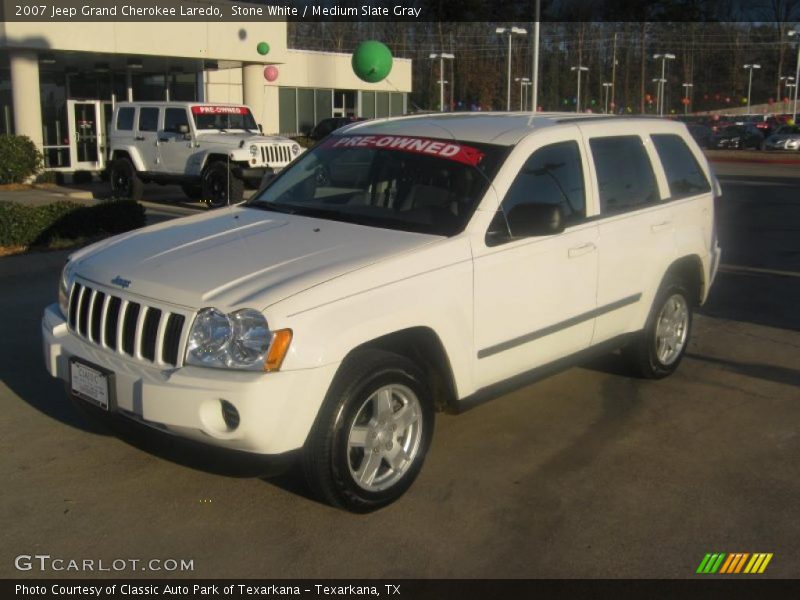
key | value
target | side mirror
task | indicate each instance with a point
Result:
(529, 220)
(184, 129)
(260, 128)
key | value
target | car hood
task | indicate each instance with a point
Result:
(233, 139)
(237, 257)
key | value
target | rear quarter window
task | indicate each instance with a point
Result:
(624, 173)
(684, 175)
(125, 119)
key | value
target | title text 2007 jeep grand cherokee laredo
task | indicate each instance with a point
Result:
(399, 266)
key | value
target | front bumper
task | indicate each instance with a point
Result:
(276, 410)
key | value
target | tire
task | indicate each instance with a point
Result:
(125, 181)
(658, 349)
(220, 186)
(347, 456)
(193, 192)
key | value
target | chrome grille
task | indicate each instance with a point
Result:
(280, 154)
(137, 330)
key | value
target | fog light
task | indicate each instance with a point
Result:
(230, 415)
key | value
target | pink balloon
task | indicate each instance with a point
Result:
(271, 73)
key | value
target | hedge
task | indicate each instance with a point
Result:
(19, 159)
(22, 225)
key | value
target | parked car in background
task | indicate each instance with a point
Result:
(328, 126)
(213, 151)
(738, 137)
(786, 137)
(701, 134)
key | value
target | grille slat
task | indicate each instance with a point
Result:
(276, 154)
(112, 320)
(129, 328)
(97, 315)
(137, 330)
(172, 338)
(149, 333)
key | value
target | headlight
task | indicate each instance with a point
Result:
(64, 284)
(295, 149)
(253, 150)
(240, 340)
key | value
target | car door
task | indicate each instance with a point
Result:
(174, 146)
(146, 137)
(636, 230)
(534, 297)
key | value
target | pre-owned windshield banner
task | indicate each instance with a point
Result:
(416, 145)
(219, 110)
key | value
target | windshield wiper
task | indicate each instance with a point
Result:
(271, 206)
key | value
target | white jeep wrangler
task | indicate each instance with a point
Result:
(399, 267)
(213, 151)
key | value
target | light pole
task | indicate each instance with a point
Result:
(441, 56)
(785, 81)
(659, 81)
(607, 85)
(535, 80)
(527, 84)
(686, 88)
(579, 69)
(522, 82)
(750, 82)
(664, 58)
(793, 86)
(510, 31)
(793, 33)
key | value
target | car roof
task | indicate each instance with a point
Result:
(161, 103)
(501, 128)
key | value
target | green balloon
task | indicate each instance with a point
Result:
(262, 48)
(372, 61)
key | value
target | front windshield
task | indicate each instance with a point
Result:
(223, 117)
(395, 182)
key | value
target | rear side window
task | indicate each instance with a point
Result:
(174, 118)
(148, 119)
(624, 173)
(684, 175)
(551, 175)
(125, 119)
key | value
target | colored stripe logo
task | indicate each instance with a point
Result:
(734, 563)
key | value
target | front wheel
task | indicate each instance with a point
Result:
(125, 182)
(658, 349)
(370, 438)
(220, 186)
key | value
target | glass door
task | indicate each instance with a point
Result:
(86, 139)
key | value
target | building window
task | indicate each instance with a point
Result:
(305, 111)
(287, 110)
(6, 104)
(396, 105)
(368, 105)
(381, 104)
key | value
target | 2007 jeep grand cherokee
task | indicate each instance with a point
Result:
(400, 266)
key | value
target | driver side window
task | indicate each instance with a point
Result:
(551, 175)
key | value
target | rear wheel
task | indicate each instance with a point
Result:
(125, 182)
(370, 438)
(220, 186)
(658, 349)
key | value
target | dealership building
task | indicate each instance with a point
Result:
(59, 80)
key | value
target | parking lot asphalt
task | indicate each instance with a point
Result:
(588, 473)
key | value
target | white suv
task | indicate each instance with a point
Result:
(399, 267)
(213, 151)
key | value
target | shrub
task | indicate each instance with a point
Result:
(39, 225)
(19, 158)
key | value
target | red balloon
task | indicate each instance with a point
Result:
(271, 73)
(705, 96)
(685, 101)
(716, 96)
(786, 100)
(647, 97)
(771, 101)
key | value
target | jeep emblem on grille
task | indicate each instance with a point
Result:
(123, 283)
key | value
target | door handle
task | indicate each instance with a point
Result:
(581, 250)
(660, 226)
(163, 139)
(139, 138)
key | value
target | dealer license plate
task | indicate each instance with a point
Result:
(91, 384)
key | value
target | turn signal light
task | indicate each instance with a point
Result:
(278, 349)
